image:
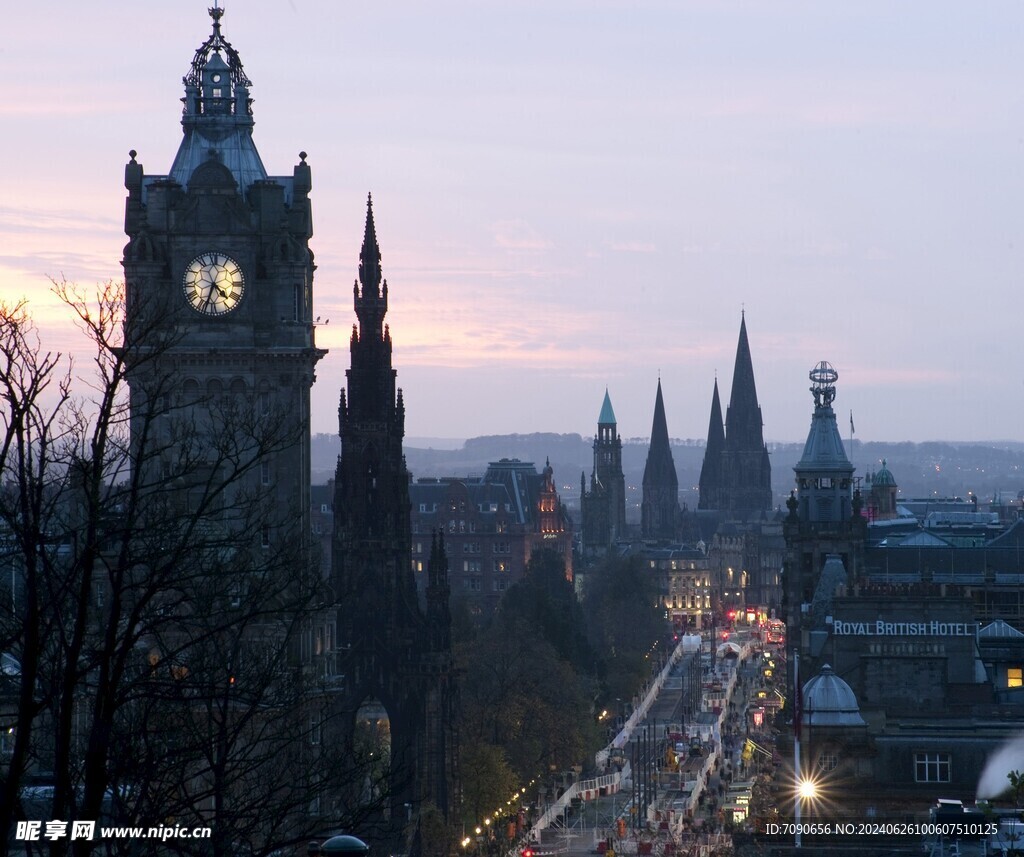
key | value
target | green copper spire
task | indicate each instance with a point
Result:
(607, 417)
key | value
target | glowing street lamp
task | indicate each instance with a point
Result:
(806, 791)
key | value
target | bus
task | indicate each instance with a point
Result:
(776, 631)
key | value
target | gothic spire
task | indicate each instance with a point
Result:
(746, 468)
(711, 470)
(371, 289)
(743, 426)
(369, 255)
(659, 428)
(660, 505)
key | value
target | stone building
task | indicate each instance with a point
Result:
(492, 525)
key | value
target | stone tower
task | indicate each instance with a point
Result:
(824, 523)
(604, 505)
(398, 655)
(659, 511)
(219, 291)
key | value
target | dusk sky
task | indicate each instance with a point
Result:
(574, 194)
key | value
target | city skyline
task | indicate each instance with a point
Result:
(582, 196)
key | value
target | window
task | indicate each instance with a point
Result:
(827, 762)
(315, 730)
(931, 767)
(297, 303)
(471, 566)
(423, 507)
(502, 547)
(1015, 677)
(500, 585)
(265, 536)
(265, 402)
(265, 472)
(500, 566)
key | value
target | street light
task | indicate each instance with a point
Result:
(806, 791)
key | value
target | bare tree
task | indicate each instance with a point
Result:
(159, 657)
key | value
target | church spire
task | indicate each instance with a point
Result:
(710, 484)
(660, 506)
(743, 426)
(746, 469)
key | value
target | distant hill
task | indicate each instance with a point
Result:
(941, 469)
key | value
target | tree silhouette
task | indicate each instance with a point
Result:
(158, 609)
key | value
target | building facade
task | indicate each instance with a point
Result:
(219, 279)
(492, 525)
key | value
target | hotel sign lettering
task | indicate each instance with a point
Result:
(904, 629)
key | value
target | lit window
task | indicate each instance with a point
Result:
(1015, 677)
(931, 767)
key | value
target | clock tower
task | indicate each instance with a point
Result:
(219, 289)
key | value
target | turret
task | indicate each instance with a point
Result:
(824, 474)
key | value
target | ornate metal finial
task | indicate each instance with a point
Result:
(302, 157)
(215, 44)
(823, 380)
(132, 154)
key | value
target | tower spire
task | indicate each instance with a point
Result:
(710, 484)
(217, 120)
(660, 505)
(746, 468)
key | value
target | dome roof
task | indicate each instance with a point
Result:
(829, 701)
(884, 477)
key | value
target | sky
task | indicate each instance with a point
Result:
(578, 194)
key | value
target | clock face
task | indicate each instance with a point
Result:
(213, 284)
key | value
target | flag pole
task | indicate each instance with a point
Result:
(796, 745)
(851, 436)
